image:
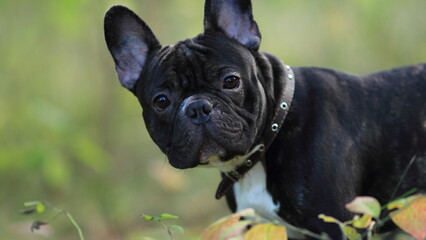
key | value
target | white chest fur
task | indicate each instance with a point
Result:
(250, 192)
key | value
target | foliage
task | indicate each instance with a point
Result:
(410, 215)
(244, 225)
(266, 231)
(247, 225)
(40, 207)
(161, 219)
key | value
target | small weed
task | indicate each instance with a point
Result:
(40, 207)
(164, 217)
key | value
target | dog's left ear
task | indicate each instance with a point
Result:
(235, 19)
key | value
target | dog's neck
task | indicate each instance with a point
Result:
(282, 79)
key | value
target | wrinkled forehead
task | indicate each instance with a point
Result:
(192, 57)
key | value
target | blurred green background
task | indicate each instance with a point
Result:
(70, 134)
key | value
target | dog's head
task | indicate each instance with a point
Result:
(202, 98)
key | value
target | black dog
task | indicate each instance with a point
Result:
(215, 100)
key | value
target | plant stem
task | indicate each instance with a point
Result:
(403, 177)
(370, 230)
(72, 220)
(305, 232)
(168, 230)
(341, 226)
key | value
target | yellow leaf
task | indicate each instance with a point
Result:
(235, 232)
(328, 219)
(397, 204)
(351, 233)
(411, 216)
(224, 226)
(266, 231)
(363, 222)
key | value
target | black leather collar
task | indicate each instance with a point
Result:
(258, 152)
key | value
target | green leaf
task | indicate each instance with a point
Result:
(31, 204)
(166, 216)
(177, 228)
(365, 205)
(328, 219)
(351, 233)
(147, 217)
(40, 207)
(37, 206)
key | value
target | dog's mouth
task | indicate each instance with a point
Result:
(211, 152)
(207, 154)
(208, 148)
(215, 156)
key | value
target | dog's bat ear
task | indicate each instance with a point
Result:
(234, 18)
(130, 41)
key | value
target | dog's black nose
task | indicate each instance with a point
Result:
(199, 111)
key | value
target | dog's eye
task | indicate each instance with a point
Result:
(231, 82)
(161, 102)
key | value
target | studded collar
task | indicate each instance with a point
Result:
(258, 153)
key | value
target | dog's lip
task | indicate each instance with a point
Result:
(182, 164)
(205, 159)
(211, 152)
(219, 155)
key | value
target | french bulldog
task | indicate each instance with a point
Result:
(291, 142)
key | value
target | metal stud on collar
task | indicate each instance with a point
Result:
(236, 174)
(274, 127)
(248, 163)
(290, 75)
(284, 105)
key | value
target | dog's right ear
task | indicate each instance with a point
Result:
(130, 41)
(235, 19)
